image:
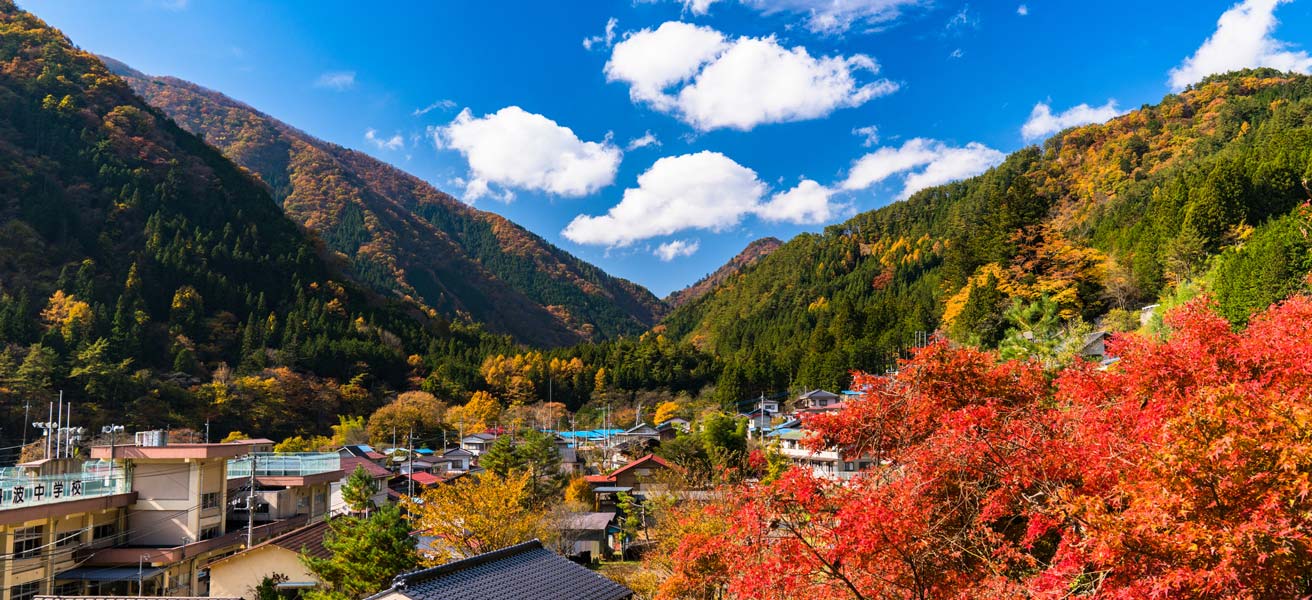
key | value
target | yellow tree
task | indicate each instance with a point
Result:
(420, 411)
(481, 412)
(667, 410)
(475, 515)
(71, 317)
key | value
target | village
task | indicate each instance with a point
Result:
(147, 516)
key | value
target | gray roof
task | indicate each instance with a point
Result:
(818, 394)
(588, 521)
(525, 571)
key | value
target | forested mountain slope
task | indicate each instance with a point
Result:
(137, 263)
(401, 236)
(749, 256)
(1203, 190)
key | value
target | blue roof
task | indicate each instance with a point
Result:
(589, 433)
(525, 571)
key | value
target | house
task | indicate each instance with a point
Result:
(257, 444)
(591, 532)
(823, 463)
(639, 478)
(378, 474)
(457, 459)
(641, 431)
(526, 571)
(362, 451)
(818, 400)
(671, 428)
(238, 574)
(478, 443)
(1094, 346)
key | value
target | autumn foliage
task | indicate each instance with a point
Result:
(1181, 471)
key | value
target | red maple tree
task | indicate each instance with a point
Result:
(1182, 471)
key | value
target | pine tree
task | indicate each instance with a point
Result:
(366, 552)
(358, 491)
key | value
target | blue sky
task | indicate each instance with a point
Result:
(762, 109)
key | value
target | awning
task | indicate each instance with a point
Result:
(109, 573)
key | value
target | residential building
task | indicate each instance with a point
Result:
(824, 463)
(592, 532)
(819, 401)
(526, 571)
(239, 574)
(477, 443)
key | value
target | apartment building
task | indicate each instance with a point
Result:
(148, 518)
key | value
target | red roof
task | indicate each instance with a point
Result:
(374, 455)
(423, 478)
(652, 458)
(350, 463)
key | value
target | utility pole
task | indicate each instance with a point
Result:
(250, 506)
(112, 430)
(207, 431)
(27, 405)
(411, 456)
(140, 563)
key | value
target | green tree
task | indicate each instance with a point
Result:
(358, 491)
(366, 552)
(534, 454)
(36, 373)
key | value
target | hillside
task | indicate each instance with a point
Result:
(1198, 192)
(144, 274)
(749, 256)
(399, 235)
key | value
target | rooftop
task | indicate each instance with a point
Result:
(521, 572)
(285, 464)
(172, 451)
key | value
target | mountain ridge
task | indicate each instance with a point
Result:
(399, 234)
(1199, 191)
(752, 253)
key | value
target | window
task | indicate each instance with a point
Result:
(27, 542)
(68, 538)
(25, 591)
(210, 500)
(104, 530)
(72, 588)
(209, 533)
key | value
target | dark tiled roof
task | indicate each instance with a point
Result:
(308, 539)
(525, 571)
(588, 521)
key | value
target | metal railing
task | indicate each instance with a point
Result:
(96, 479)
(290, 464)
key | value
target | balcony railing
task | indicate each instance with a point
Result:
(290, 464)
(95, 480)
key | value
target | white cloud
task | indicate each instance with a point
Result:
(1242, 40)
(514, 148)
(869, 135)
(647, 139)
(607, 38)
(923, 163)
(958, 53)
(824, 16)
(396, 142)
(336, 80)
(1022, 10)
(808, 203)
(737, 84)
(1043, 122)
(443, 104)
(675, 248)
(706, 190)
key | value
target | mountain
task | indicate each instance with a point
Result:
(1201, 192)
(399, 235)
(749, 256)
(159, 284)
